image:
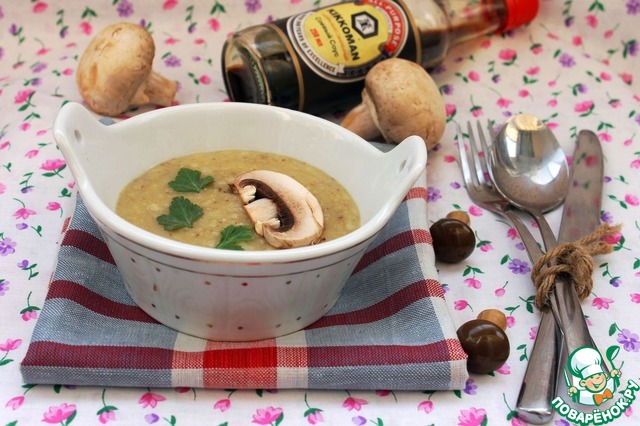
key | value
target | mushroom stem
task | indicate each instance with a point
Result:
(158, 90)
(360, 122)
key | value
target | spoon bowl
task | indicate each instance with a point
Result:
(528, 166)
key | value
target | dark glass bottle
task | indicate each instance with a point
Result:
(316, 61)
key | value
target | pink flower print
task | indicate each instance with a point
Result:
(67, 71)
(3, 188)
(106, 416)
(552, 103)
(477, 111)
(515, 421)
(592, 21)
(86, 28)
(536, 49)
(171, 40)
(25, 126)
(627, 78)
(601, 302)
(150, 399)
(584, 108)
(452, 159)
(505, 370)
(474, 76)
(205, 79)
(523, 93)
(39, 7)
(222, 405)
(606, 137)
(15, 402)
(314, 416)
(500, 292)
(613, 239)
(635, 297)
(508, 55)
(504, 102)
(425, 406)
(43, 51)
(459, 305)
(632, 200)
(51, 165)
(23, 213)
(58, 414)
(608, 34)
(29, 315)
(635, 164)
(472, 417)
(533, 70)
(352, 403)
(23, 95)
(53, 206)
(533, 333)
(450, 109)
(512, 233)
(266, 416)
(472, 282)
(577, 41)
(485, 248)
(486, 44)
(511, 321)
(32, 153)
(214, 24)
(169, 4)
(475, 211)
(605, 76)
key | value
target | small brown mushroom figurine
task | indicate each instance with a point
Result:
(115, 72)
(281, 209)
(400, 99)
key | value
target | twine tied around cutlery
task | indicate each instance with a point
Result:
(574, 259)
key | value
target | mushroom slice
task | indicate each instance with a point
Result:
(281, 209)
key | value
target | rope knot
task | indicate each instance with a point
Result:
(574, 259)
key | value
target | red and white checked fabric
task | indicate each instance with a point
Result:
(390, 329)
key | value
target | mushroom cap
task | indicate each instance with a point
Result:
(403, 100)
(300, 220)
(114, 67)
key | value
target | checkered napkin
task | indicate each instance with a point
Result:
(390, 329)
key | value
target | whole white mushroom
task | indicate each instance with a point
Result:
(114, 72)
(400, 99)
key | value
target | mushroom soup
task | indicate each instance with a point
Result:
(148, 201)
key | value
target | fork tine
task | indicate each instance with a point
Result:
(478, 165)
(467, 175)
(486, 150)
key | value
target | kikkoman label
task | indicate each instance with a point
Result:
(343, 42)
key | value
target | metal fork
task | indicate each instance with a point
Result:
(540, 379)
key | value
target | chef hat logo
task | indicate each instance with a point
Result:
(585, 362)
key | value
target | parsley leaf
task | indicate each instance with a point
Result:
(232, 235)
(182, 213)
(188, 180)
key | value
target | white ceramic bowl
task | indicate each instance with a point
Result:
(223, 294)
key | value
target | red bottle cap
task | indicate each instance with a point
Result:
(520, 12)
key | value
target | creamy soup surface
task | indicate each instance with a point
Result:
(149, 196)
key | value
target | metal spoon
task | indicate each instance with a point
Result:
(529, 168)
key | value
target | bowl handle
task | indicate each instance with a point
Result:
(410, 156)
(72, 124)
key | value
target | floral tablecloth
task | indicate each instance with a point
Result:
(576, 65)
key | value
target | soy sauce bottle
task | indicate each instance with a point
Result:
(316, 61)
